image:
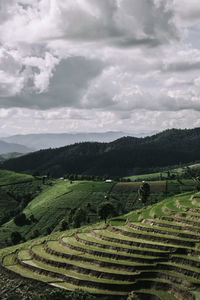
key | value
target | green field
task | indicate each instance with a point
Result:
(8, 177)
(16, 191)
(153, 251)
(163, 175)
(51, 203)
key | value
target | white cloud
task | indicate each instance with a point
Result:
(95, 64)
(121, 23)
(182, 61)
(188, 11)
(19, 72)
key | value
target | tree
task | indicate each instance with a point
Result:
(64, 225)
(105, 210)
(20, 220)
(15, 237)
(79, 217)
(144, 191)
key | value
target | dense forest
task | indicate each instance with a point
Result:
(123, 157)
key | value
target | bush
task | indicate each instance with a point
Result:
(79, 217)
(20, 220)
(105, 210)
(64, 225)
(15, 237)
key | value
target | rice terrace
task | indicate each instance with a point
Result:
(151, 252)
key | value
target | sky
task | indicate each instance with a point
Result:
(99, 65)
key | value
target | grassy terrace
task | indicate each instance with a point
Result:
(93, 240)
(104, 262)
(153, 236)
(41, 254)
(27, 272)
(166, 231)
(109, 252)
(149, 251)
(136, 242)
(74, 276)
(173, 224)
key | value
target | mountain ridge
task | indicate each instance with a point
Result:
(55, 140)
(122, 157)
(6, 147)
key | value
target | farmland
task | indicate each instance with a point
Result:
(48, 205)
(139, 249)
(151, 251)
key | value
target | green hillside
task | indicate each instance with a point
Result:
(50, 204)
(8, 177)
(16, 191)
(55, 203)
(165, 174)
(153, 251)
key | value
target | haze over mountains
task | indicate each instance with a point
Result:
(6, 147)
(53, 140)
(122, 157)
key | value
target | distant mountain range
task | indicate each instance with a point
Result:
(53, 140)
(6, 147)
(123, 157)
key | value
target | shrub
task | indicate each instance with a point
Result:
(105, 210)
(79, 217)
(64, 225)
(20, 220)
(15, 237)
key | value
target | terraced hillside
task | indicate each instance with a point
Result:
(47, 205)
(154, 252)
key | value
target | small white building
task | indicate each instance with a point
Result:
(108, 180)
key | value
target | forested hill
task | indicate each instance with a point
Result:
(125, 156)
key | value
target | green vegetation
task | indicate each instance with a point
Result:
(162, 175)
(32, 207)
(105, 210)
(152, 251)
(144, 192)
(54, 205)
(8, 177)
(16, 191)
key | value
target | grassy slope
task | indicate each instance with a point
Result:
(16, 190)
(53, 202)
(8, 177)
(145, 213)
(157, 175)
(132, 216)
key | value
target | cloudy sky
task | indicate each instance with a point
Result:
(99, 65)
